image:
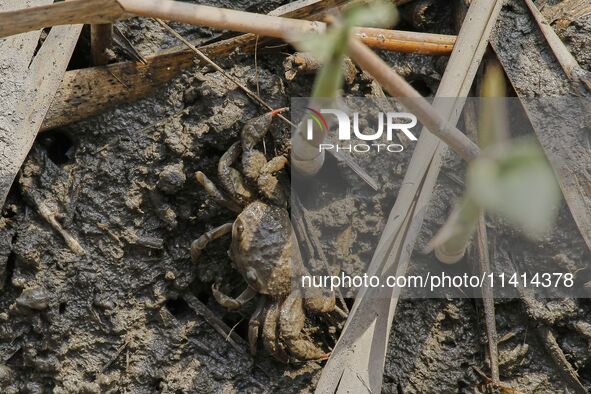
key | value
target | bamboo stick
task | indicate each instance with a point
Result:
(81, 11)
(101, 39)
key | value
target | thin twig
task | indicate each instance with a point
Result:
(557, 355)
(502, 387)
(483, 262)
(217, 324)
(115, 356)
(256, 65)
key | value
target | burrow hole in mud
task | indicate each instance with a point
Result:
(62, 308)
(59, 145)
(178, 308)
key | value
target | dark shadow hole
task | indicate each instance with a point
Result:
(9, 270)
(16, 359)
(178, 308)
(421, 87)
(81, 56)
(49, 384)
(156, 383)
(399, 388)
(62, 308)
(201, 291)
(238, 323)
(349, 302)
(585, 373)
(58, 145)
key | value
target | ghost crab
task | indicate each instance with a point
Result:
(263, 248)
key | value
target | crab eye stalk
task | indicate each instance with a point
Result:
(238, 229)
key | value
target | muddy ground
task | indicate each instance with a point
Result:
(129, 316)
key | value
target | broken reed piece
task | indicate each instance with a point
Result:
(101, 40)
(62, 13)
(301, 63)
(81, 11)
(481, 258)
(567, 61)
(451, 241)
(406, 42)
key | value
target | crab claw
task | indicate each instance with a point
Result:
(255, 129)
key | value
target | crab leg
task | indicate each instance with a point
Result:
(269, 184)
(214, 192)
(319, 302)
(230, 178)
(201, 243)
(254, 325)
(233, 303)
(291, 323)
(270, 339)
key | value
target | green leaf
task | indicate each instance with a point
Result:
(519, 186)
(322, 46)
(376, 14)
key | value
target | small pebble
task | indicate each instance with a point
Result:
(34, 298)
(170, 276)
(172, 178)
(5, 374)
